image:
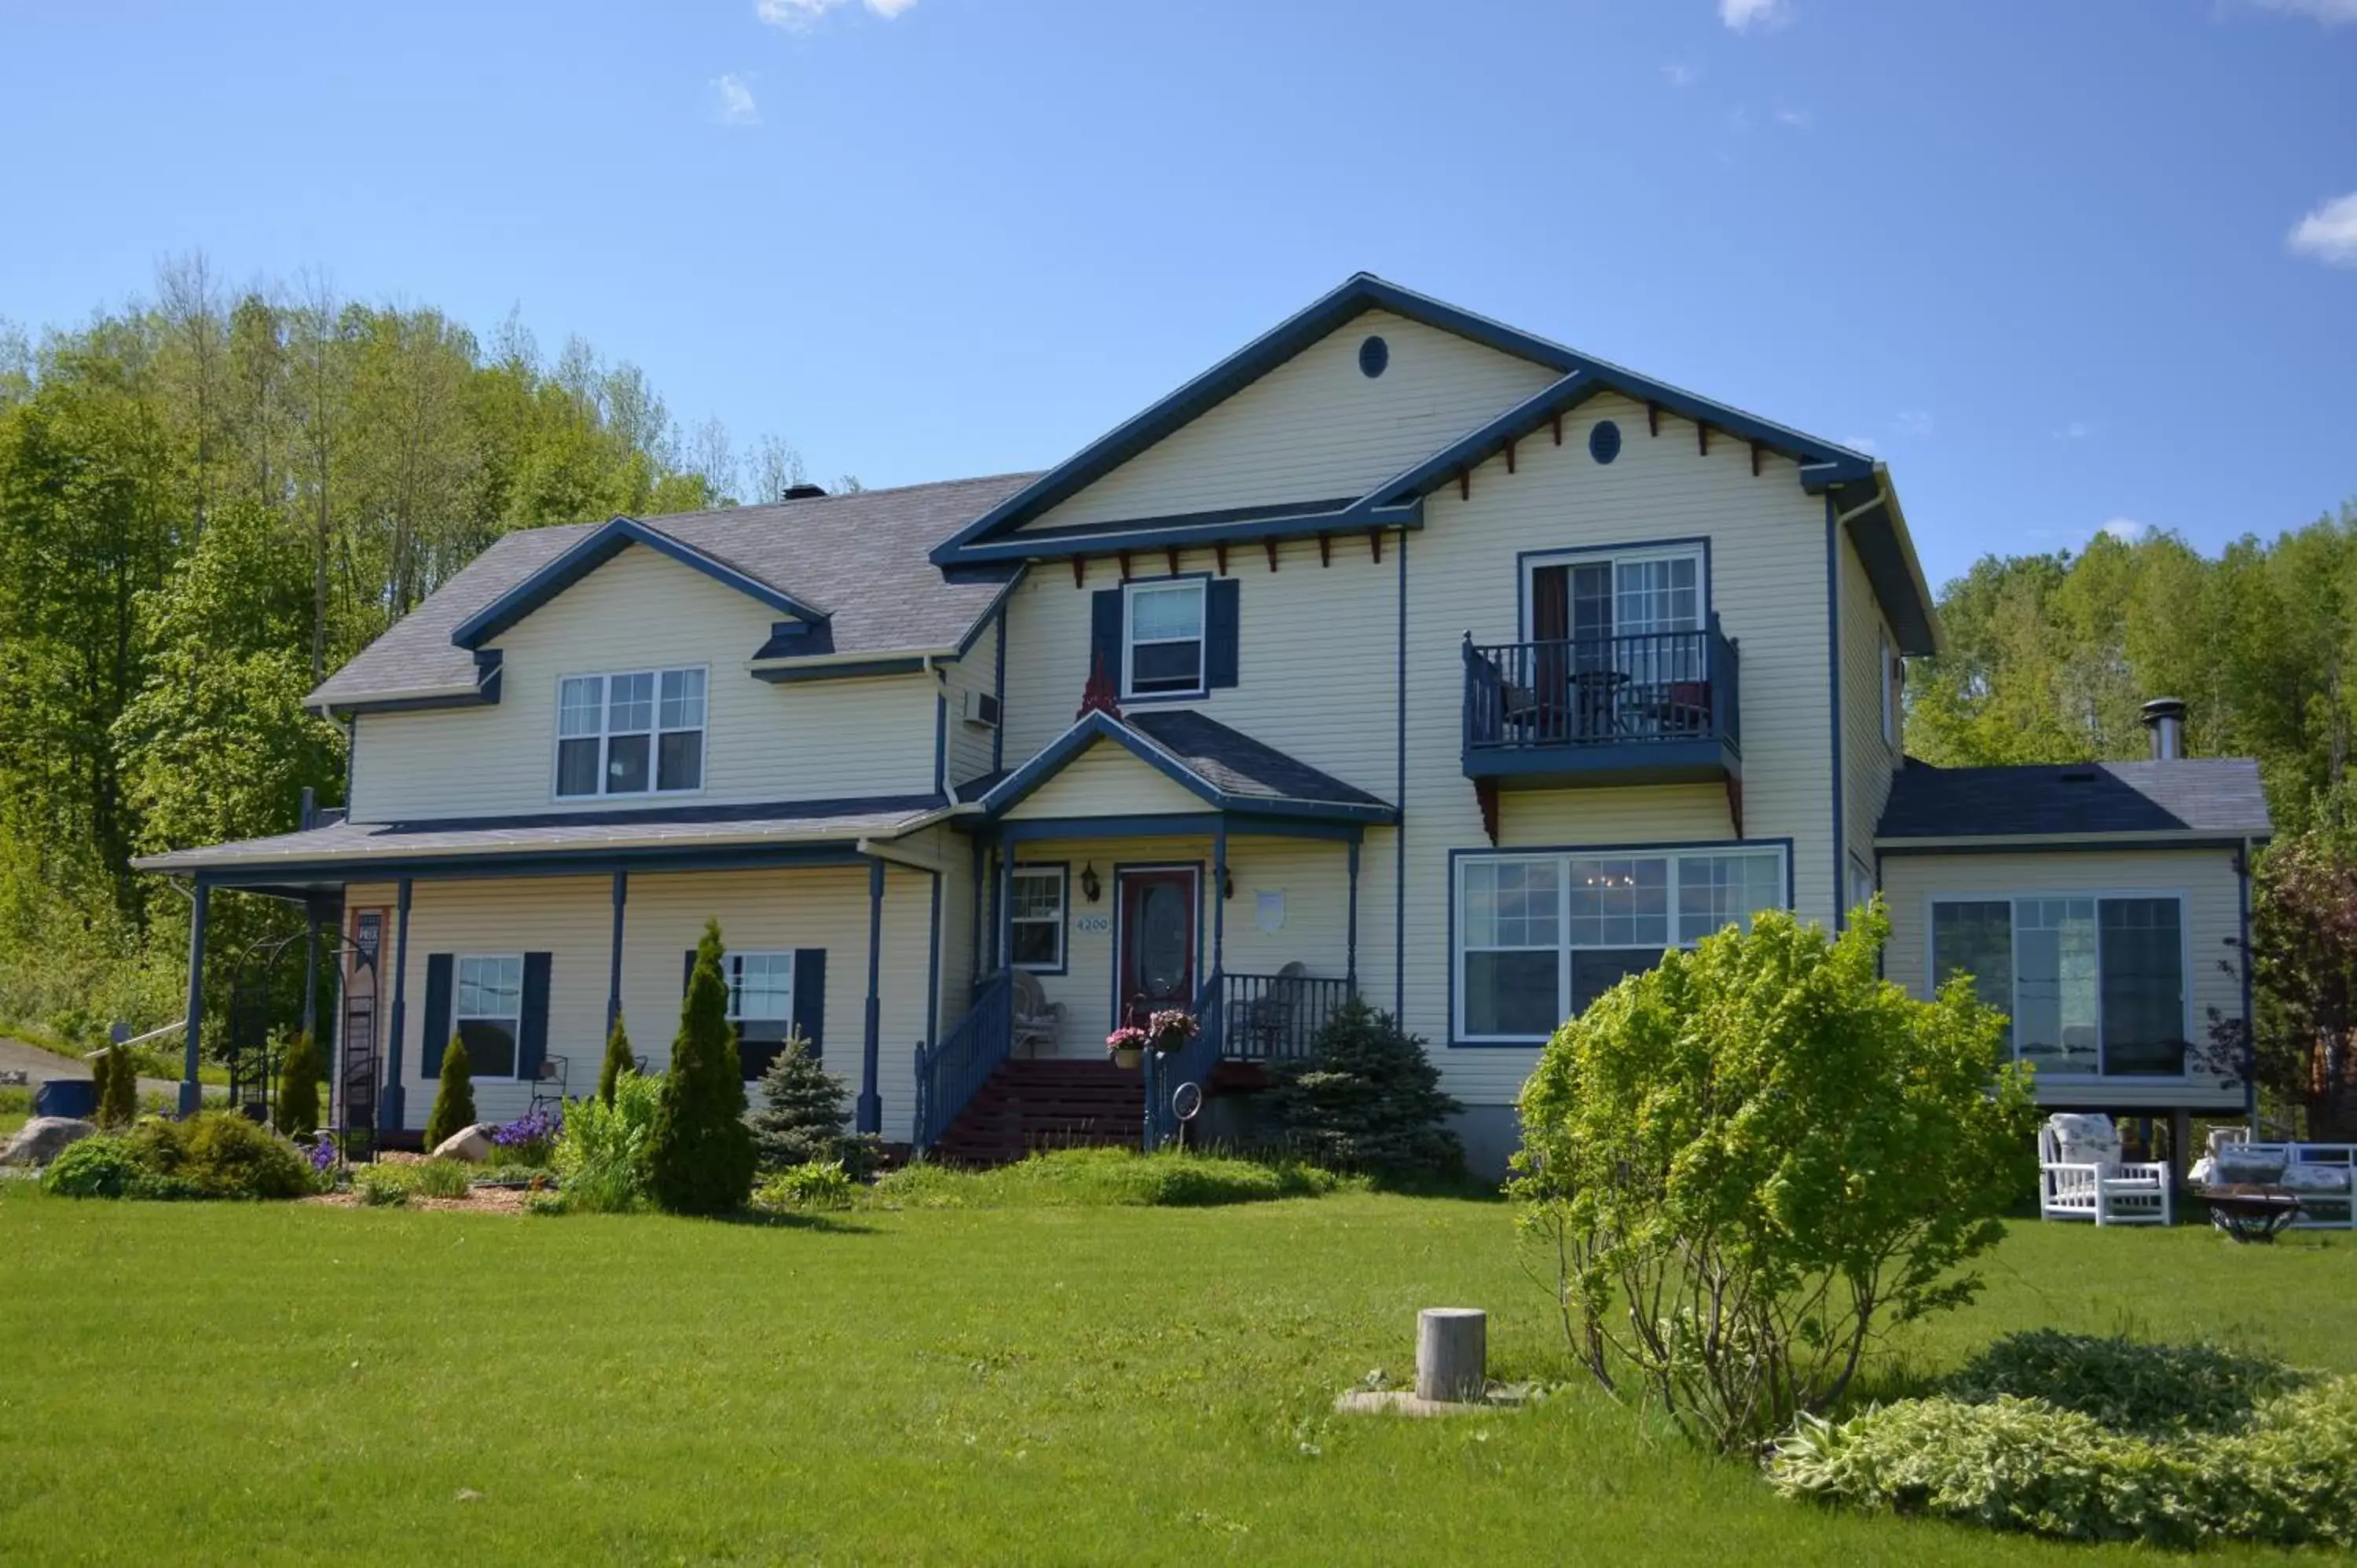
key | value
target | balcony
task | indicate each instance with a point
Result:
(1655, 708)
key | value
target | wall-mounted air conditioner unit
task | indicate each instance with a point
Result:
(978, 708)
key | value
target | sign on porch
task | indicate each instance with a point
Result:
(1268, 910)
(1093, 925)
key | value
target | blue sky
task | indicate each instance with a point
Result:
(2065, 263)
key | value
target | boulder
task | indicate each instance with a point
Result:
(43, 1139)
(471, 1143)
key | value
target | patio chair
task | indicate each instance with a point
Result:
(1270, 1020)
(1038, 1021)
(2082, 1177)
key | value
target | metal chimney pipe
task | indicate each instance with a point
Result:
(2165, 716)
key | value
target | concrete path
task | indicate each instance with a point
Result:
(37, 1063)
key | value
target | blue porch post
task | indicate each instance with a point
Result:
(200, 911)
(1219, 895)
(870, 1118)
(614, 964)
(311, 972)
(1002, 918)
(390, 1108)
(1350, 969)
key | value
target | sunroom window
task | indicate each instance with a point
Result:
(639, 732)
(2090, 986)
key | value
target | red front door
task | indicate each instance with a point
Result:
(1158, 940)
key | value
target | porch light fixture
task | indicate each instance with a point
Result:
(1090, 886)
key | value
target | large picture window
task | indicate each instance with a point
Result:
(1163, 635)
(1037, 917)
(2093, 985)
(636, 732)
(1540, 937)
(486, 1014)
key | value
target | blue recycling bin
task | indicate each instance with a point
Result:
(74, 1097)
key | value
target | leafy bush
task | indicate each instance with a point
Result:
(1367, 1098)
(802, 1115)
(97, 1166)
(223, 1154)
(442, 1178)
(618, 1061)
(820, 1183)
(384, 1187)
(1102, 1178)
(701, 1158)
(2127, 1386)
(601, 1153)
(1780, 1153)
(454, 1102)
(298, 1111)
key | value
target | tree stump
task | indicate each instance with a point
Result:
(1452, 1354)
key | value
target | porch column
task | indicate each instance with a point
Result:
(978, 965)
(389, 1107)
(1219, 896)
(614, 965)
(1350, 951)
(200, 911)
(870, 1116)
(311, 972)
(1002, 918)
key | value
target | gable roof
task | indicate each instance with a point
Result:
(856, 563)
(592, 551)
(1228, 769)
(2191, 797)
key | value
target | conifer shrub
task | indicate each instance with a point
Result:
(701, 1157)
(102, 1078)
(297, 1109)
(1367, 1098)
(454, 1102)
(802, 1116)
(118, 1095)
(619, 1060)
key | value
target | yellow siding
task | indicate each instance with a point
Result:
(814, 740)
(1106, 780)
(1867, 760)
(1672, 813)
(1316, 428)
(969, 743)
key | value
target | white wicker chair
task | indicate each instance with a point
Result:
(1038, 1021)
(2082, 1177)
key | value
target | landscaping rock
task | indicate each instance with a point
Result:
(473, 1143)
(43, 1139)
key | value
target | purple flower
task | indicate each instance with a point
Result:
(537, 1126)
(322, 1152)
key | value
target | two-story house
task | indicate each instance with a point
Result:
(1402, 652)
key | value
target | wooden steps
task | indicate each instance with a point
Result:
(1053, 1103)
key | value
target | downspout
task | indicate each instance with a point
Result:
(2250, 1062)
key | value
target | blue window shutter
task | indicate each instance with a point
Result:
(437, 1013)
(532, 1049)
(810, 998)
(1104, 634)
(1223, 607)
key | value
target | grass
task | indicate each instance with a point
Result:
(1100, 1178)
(1044, 1384)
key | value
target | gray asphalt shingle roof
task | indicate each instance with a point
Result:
(860, 557)
(2218, 796)
(1235, 764)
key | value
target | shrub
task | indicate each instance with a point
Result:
(1780, 1153)
(820, 1183)
(96, 1166)
(454, 1102)
(701, 1158)
(527, 1140)
(298, 1111)
(619, 1060)
(1103, 1178)
(1367, 1098)
(803, 1117)
(601, 1153)
(2152, 1390)
(384, 1187)
(115, 1082)
(223, 1154)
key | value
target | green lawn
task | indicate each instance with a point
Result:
(229, 1382)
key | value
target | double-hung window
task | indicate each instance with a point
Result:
(2092, 984)
(1037, 917)
(1162, 633)
(761, 1005)
(636, 732)
(486, 1014)
(1540, 937)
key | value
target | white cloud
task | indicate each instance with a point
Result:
(2077, 430)
(798, 13)
(1679, 74)
(2127, 530)
(2329, 12)
(2329, 233)
(1799, 119)
(732, 102)
(1866, 444)
(1914, 420)
(1745, 14)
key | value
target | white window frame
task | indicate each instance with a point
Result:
(1670, 855)
(1533, 562)
(2014, 899)
(1061, 875)
(458, 1015)
(1201, 588)
(734, 980)
(655, 732)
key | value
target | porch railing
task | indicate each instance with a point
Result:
(1275, 1018)
(1191, 1063)
(1602, 691)
(950, 1074)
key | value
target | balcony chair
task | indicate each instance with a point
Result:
(548, 1087)
(1038, 1021)
(2082, 1177)
(1272, 1019)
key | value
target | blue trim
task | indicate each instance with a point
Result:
(586, 862)
(1375, 356)
(351, 758)
(1456, 855)
(192, 1030)
(994, 611)
(792, 674)
(2058, 844)
(1112, 1012)
(1063, 869)
(614, 969)
(933, 971)
(1350, 934)
(1523, 559)
(869, 1114)
(475, 699)
(1399, 836)
(1833, 684)
(1702, 761)
(942, 744)
(1471, 451)
(1217, 891)
(977, 955)
(1883, 553)
(999, 690)
(600, 546)
(1191, 530)
(1196, 824)
(796, 639)
(391, 1105)
(1087, 731)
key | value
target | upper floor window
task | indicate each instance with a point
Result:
(2090, 985)
(1592, 595)
(640, 732)
(1163, 640)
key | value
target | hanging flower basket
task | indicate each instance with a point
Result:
(1127, 1046)
(1169, 1030)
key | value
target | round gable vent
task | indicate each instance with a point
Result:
(1374, 355)
(1604, 441)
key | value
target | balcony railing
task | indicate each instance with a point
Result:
(1663, 703)
(1275, 1018)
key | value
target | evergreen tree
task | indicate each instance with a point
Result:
(297, 1109)
(619, 1060)
(101, 1085)
(803, 1112)
(454, 1102)
(118, 1098)
(701, 1158)
(1368, 1097)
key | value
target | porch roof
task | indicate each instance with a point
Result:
(1229, 770)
